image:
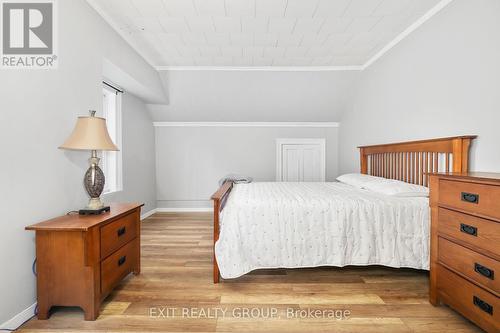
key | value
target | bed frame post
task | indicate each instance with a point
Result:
(216, 238)
(363, 158)
(219, 199)
(461, 154)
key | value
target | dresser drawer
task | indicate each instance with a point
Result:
(473, 302)
(478, 232)
(471, 197)
(117, 266)
(481, 269)
(117, 233)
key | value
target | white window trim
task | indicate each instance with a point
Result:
(299, 141)
(118, 143)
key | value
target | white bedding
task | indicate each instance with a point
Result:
(273, 225)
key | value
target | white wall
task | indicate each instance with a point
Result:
(442, 80)
(38, 111)
(191, 160)
(255, 96)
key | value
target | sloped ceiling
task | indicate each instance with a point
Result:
(276, 33)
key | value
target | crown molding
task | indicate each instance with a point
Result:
(244, 124)
(433, 11)
(261, 68)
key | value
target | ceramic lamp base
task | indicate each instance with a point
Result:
(94, 203)
(94, 184)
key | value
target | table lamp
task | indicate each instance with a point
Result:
(90, 133)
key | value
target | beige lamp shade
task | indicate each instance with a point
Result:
(90, 133)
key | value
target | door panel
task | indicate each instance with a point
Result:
(311, 169)
(292, 158)
(301, 162)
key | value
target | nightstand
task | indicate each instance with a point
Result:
(80, 259)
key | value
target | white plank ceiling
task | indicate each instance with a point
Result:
(261, 33)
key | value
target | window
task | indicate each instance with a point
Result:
(112, 160)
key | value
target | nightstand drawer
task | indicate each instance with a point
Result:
(117, 266)
(117, 233)
(471, 197)
(481, 269)
(473, 302)
(480, 233)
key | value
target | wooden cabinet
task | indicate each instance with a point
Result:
(465, 245)
(80, 259)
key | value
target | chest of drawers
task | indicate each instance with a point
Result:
(80, 259)
(465, 245)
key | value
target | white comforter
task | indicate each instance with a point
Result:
(272, 225)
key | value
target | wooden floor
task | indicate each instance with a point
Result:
(177, 276)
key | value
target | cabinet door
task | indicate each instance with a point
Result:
(301, 161)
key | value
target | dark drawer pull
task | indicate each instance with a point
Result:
(484, 271)
(120, 232)
(470, 197)
(483, 305)
(122, 260)
(468, 229)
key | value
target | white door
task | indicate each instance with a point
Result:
(300, 160)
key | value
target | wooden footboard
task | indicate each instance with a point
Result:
(219, 198)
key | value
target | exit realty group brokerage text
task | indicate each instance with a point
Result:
(248, 312)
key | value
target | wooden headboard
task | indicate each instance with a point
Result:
(411, 161)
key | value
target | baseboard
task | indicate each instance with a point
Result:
(19, 319)
(184, 209)
(176, 210)
(148, 214)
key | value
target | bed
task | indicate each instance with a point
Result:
(292, 225)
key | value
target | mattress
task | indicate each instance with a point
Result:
(291, 225)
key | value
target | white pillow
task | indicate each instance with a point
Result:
(396, 188)
(356, 179)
